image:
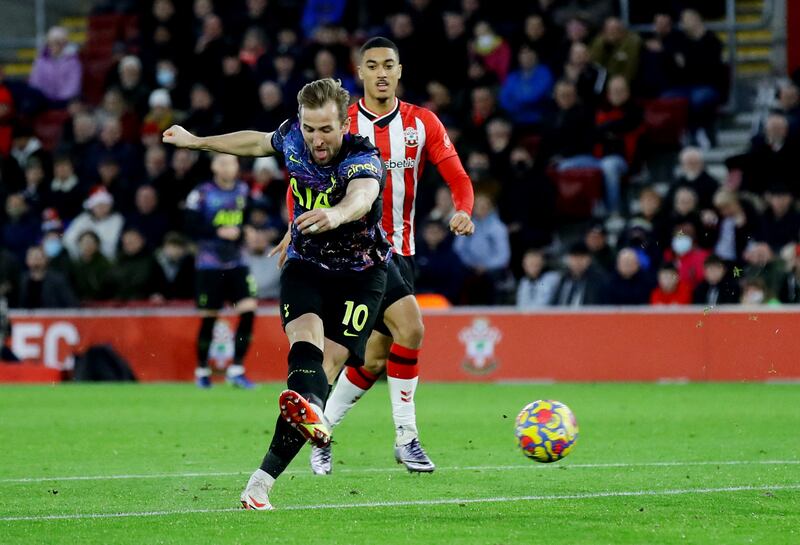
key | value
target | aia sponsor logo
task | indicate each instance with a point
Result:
(391, 164)
(411, 137)
(479, 341)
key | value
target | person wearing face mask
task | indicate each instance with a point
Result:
(717, 287)
(41, 287)
(756, 292)
(58, 259)
(685, 255)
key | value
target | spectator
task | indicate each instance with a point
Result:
(325, 67)
(670, 290)
(35, 191)
(658, 68)
(80, 147)
(652, 221)
(160, 117)
(717, 288)
(538, 285)
(702, 75)
(756, 292)
(209, 49)
(136, 275)
(596, 239)
(568, 130)
(735, 225)
(203, 119)
(440, 270)
(453, 54)
(789, 291)
(618, 127)
(21, 229)
(283, 71)
(254, 45)
(182, 176)
(101, 220)
(9, 276)
(25, 146)
(113, 106)
(538, 36)
(268, 186)
(177, 267)
(263, 267)
(693, 174)
(273, 112)
(780, 223)
(57, 69)
(132, 86)
(687, 257)
(236, 92)
(58, 259)
(91, 269)
(629, 284)
(483, 109)
(525, 92)
(147, 218)
(41, 287)
(771, 157)
(492, 50)
(485, 254)
(443, 208)
(318, 13)
(617, 50)
(111, 146)
(789, 106)
(65, 192)
(582, 283)
(760, 262)
(684, 208)
(169, 78)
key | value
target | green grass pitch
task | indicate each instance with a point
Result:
(654, 464)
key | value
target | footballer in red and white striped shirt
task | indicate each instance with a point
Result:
(408, 138)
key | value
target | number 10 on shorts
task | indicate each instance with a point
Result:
(355, 315)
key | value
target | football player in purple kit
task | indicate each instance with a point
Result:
(215, 215)
(333, 280)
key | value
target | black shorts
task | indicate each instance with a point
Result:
(346, 301)
(215, 286)
(399, 283)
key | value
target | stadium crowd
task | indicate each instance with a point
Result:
(528, 91)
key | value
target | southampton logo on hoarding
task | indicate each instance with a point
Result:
(411, 137)
(479, 340)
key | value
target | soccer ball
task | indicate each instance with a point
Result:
(546, 430)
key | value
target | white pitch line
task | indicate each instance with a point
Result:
(410, 503)
(396, 470)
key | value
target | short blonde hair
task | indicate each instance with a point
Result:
(319, 92)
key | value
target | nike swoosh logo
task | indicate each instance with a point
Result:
(293, 160)
(255, 503)
(348, 334)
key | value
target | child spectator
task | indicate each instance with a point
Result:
(670, 290)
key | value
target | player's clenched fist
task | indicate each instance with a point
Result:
(461, 224)
(179, 137)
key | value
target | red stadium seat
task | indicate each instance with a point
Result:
(577, 191)
(48, 127)
(95, 70)
(665, 121)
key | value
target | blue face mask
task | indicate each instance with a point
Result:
(165, 78)
(52, 247)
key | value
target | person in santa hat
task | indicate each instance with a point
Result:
(99, 217)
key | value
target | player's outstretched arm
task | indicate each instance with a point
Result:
(243, 143)
(361, 193)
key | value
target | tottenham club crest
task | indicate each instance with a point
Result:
(411, 137)
(480, 340)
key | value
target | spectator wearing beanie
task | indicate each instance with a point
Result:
(99, 218)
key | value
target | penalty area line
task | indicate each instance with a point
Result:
(296, 472)
(412, 503)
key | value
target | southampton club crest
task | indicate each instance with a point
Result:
(411, 137)
(479, 340)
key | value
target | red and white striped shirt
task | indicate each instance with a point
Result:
(407, 137)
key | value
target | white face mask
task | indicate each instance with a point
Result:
(681, 244)
(755, 297)
(485, 41)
